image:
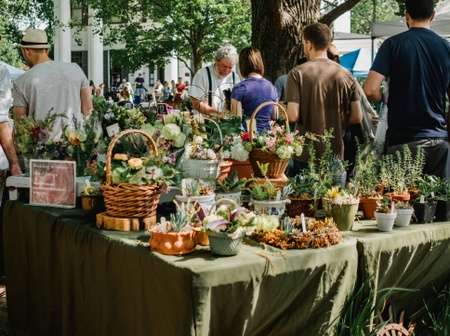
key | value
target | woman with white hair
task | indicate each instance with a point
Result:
(211, 85)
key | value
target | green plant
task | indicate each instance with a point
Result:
(428, 186)
(384, 205)
(195, 187)
(366, 176)
(180, 221)
(269, 190)
(359, 308)
(305, 186)
(231, 184)
(403, 205)
(439, 319)
(443, 193)
(336, 165)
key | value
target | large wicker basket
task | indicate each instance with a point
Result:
(128, 200)
(277, 166)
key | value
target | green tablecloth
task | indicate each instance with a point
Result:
(414, 257)
(67, 277)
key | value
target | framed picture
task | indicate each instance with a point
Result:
(52, 183)
(161, 108)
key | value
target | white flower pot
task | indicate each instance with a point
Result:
(270, 207)
(403, 217)
(385, 222)
(236, 196)
(203, 169)
(206, 202)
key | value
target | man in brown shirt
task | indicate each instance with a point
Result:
(321, 94)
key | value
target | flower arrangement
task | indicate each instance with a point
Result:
(200, 149)
(236, 147)
(280, 142)
(34, 139)
(234, 221)
(91, 189)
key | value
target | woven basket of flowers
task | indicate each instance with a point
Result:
(133, 199)
(275, 147)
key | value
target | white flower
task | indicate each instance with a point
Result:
(239, 153)
(226, 154)
(198, 139)
(211, 154)
(237, 140)
(170, 131)
(179, 140)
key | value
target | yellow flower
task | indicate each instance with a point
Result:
(120, 157)
(135, 163)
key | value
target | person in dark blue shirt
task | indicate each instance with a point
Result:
(417, 63)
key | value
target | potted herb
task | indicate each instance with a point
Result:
(230, 187)
(385, 214)
(404, 213)
(226, 227)
(425, 202)
(337, 168)
(366, 178)
(176, 236)
(266, 197)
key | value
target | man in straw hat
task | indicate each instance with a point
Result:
(58, 87)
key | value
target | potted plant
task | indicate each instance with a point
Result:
(305, 195)
(393, 176)
(92, 201)
(425, 202)
(366, 178)
(443, 200)
(404, 213)
(385, 214)
(230, 187)
(266, 197)
(175, 237)
(343, 210)
(197, 190)
(226, 227)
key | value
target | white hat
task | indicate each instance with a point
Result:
(35, 39)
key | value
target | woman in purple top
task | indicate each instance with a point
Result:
(253, 91)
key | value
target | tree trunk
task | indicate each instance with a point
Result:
(277, 27)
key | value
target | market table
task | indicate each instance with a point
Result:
(414, 257)
(67, 277)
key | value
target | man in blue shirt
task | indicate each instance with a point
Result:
(417, 63)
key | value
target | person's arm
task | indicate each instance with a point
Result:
(355, 116)
(20, 111)
(202, 107)
(372, 86)
(236, 107)
(86, 101)
(274, 114)
(7, 143)
(293, 111)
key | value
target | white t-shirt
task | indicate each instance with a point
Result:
(51, 85)
(200, 86)
(5, 104)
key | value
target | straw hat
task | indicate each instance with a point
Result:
(35, 39)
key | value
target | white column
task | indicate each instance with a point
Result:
(62, 46)
(171, 70)
(95, 50)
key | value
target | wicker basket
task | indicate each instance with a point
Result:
(125, 199)
(277, 166)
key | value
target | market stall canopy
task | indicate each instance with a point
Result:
(440, 24)
(346, 42)
(13, 72)
(358, 62)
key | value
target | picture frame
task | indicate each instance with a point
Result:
(53, 183)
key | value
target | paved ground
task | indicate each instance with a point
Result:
(4, 328)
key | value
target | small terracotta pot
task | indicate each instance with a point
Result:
(173, 243)
(201, 236)
(225, 168)
(395, 197)
(369, 204)
(243, 168)
(92, 204)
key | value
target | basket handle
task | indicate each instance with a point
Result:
(250, 129)
(113, 143)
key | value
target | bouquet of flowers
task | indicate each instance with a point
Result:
(279, 141)
(33, 138)
(236, 147)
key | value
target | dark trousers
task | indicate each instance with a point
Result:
(437, 155)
